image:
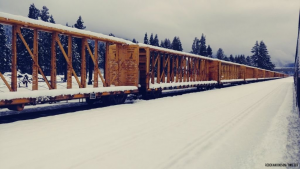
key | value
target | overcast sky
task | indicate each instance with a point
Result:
(233, 25)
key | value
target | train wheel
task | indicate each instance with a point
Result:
(119, 99)
(90, 101)
(156, 94)
(18, 107)
(114, 99)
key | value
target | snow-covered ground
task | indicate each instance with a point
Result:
(243, 126)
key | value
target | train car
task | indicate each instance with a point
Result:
(121, 66)
(162, 69)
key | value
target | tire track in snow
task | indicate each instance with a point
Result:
(129, 139)
(201, 142)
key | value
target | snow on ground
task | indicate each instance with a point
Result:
(243, 126)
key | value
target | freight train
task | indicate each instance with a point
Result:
(129, 68)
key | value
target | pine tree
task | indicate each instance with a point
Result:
(243, 59)
(111, 34)
(226, 58)
(195, 46)
(51, 19)
(5, 59)
(237, 59)
(151, 39)
(133, 40)
(202, 50)
(231, 58)
(79, 23)
(209, 51)
(146, 39)
(44, 15)
(255, 56)
(264, 59)
(249, 61)
(162, 44)
(176, 44)
(155, 41)
(220, 54)
(33, 12)
(167, 44)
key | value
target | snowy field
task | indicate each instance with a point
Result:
(236, 127)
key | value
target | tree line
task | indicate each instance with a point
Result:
(260, 57)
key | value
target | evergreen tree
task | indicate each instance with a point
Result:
(195, 46)
(155, 41)
(249, 61)
(265, 59)
(146, 39)
(79, 23)
(162, 44)
(33, 12)
(151, 39)
(167, 44)
(176, 44)
(51, 19)
(243, 59)
(255, 56)
(202, 50)
(231, 58)
(44, 15)
(111, 34)
(226, 58)
(133, 40)
(209, 51)
(5, 59)
(220, 54)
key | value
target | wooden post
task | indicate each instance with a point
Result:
(83, 63)
(70, 66)
(188, 69)
(168, 69)
(96, 67)
(200, 70)
(180, 68)
(147, 67)
(158, 68)
(163, 67)
(152, 68)
(34, 64)
(14, 85)
(173, 68)
(185, 71)
(53, 61)
(177, 69)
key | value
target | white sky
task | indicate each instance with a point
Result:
(233, 25)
